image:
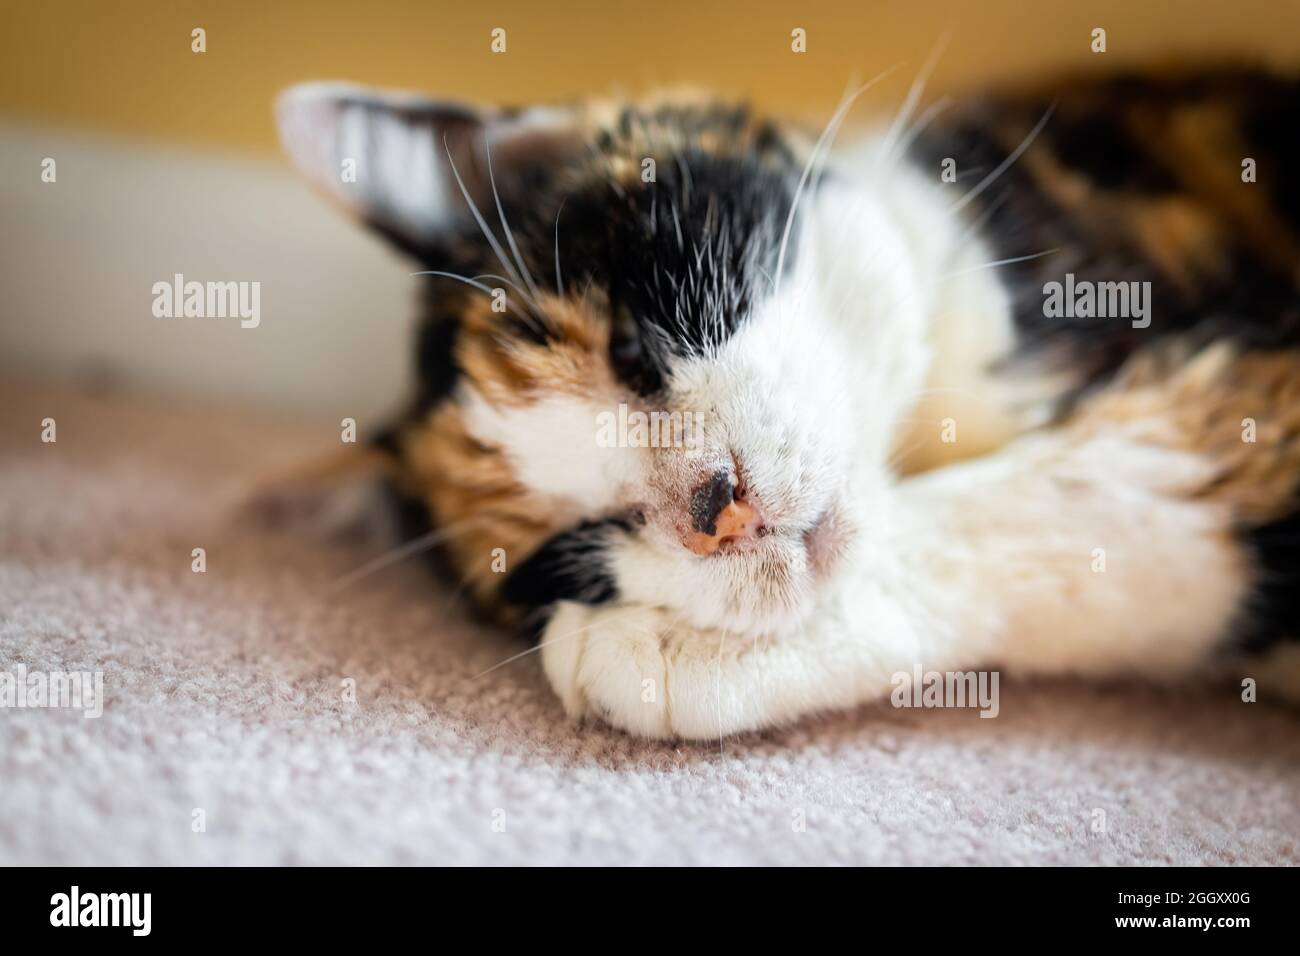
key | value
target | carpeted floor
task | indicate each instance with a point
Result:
(225, 694)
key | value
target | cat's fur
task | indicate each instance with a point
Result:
(837, 321)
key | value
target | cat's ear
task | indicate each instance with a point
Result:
(392, 159)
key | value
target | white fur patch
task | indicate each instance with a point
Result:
(552, 445)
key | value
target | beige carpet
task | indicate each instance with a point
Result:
(224, 693)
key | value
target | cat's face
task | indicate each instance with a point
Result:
(633, 390)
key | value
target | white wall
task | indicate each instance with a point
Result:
(79, 257)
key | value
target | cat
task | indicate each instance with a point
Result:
(912, 453)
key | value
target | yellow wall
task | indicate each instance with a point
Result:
(126, 66)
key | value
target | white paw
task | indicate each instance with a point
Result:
(609, 662)
(641, 670)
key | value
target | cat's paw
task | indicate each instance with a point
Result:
(609, 663)
(641, 670)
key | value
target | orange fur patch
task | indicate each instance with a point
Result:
(471, 488)
(1238, 411)
(511, 370)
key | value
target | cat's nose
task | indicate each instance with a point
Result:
(719, 515)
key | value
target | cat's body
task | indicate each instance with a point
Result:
(1129, 505)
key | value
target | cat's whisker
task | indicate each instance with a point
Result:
(454, 597)
(400, 553)
(913, 97)
(917, 421)
(924, 120)
(820, 165)
(1006, 164)
(540, 644)
(900, 454)
(505, 226)
(524, 317)
(501, 279)
(977, 225)
(488, 234)
(818, 159)
(976, 268)
(722, 642)
(997, 263)
(452, 275)
(532, 650)
(946, 390)
(559, 281)
(832, 126)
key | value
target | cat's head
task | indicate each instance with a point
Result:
(628, 386)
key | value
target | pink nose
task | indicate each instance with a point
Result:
(718, 515)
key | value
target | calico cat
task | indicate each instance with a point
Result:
(917, 447)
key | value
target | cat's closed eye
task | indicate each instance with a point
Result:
(628, 355)
(625, 349)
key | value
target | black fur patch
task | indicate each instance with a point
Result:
(435, 361)
(687, 255)
(1249, 300)
(572, 566)
(1273, 611)
(695, 247)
